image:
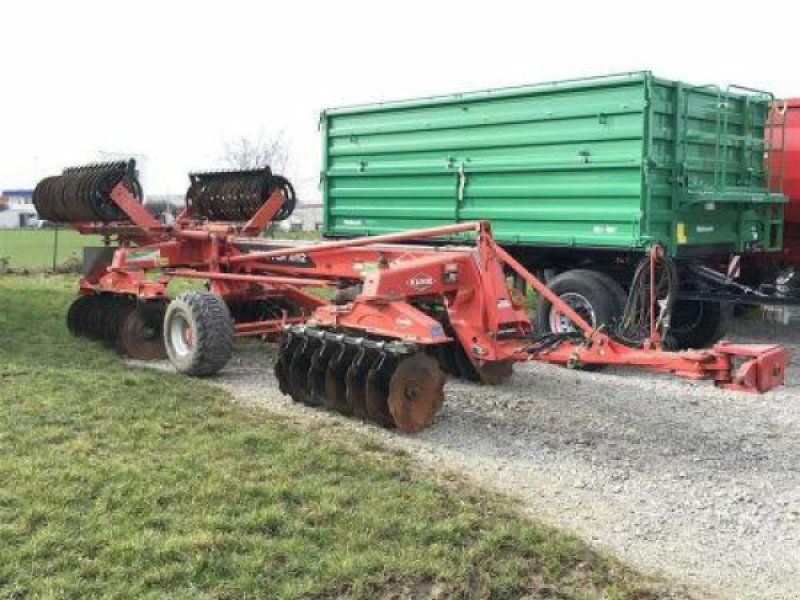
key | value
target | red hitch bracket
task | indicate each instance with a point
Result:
(762, 367)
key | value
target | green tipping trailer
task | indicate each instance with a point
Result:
(615, 162)
(583, 174)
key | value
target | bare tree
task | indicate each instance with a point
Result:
(254, 152)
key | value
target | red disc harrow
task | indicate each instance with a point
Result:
(369, 327)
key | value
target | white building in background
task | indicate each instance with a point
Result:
(17, 210)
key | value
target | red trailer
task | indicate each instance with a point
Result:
(787, 159)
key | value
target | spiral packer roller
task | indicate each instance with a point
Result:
(236, 195)
(83, 194)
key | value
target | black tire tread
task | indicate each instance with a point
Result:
(213, 340)
(713, 326)
(614, 294)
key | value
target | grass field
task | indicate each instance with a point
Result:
(118, 482)
(34, 247)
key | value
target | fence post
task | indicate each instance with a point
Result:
(55, 246)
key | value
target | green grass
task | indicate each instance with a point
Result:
(34, 247)
(118, 482)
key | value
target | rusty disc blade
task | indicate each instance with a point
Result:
(495, 372)
(378, 380)
(335, 379)
(356, 384)
(416, 392)
(142, 333)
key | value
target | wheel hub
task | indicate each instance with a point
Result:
(560, 323)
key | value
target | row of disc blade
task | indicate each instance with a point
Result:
(387, 383)
(84, 193)
(131, 328)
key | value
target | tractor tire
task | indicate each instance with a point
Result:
(198, 333)
(697, 324)
(594, 295)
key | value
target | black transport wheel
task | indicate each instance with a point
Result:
(696, 324)
(198, 333)
(594, 296)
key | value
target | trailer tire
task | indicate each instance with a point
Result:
(697, 324)
(598, 298)
(198, 333)
(613, 288)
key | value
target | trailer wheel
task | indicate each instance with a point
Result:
(198, 331)
(696, 324)
(593, 295)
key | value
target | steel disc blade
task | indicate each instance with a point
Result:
(465, 368)
(142, 333)
(123, 307)
(288, 346)
(495, 372)
(445, 354)
(316, 373)
(335, 379)
(89, 316)
(75, 314)
(83, 313)
(110, 324)
(378, 380)
(356, 384)
(416, 392)
(298, 370)
(96, 317)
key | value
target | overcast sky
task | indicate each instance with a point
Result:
(174, 80)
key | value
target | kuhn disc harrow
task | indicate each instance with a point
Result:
(378, 348)
(236, 195)
(391, 383)
(84, 193)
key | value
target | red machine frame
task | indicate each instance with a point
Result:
(388, 280)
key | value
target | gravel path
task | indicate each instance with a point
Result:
(675, 477)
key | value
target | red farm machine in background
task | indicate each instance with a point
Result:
(786, 140)
(773, 278)
(368, 326)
